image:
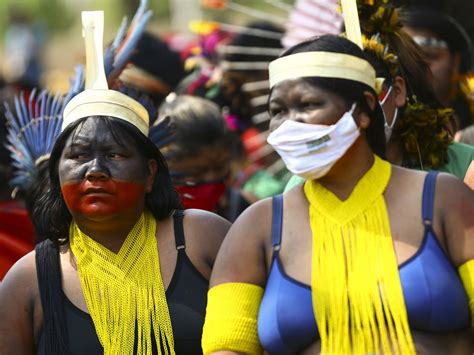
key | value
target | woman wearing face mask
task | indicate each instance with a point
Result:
(199, 149)
(123, 270)
(360, 259)
(418, 129)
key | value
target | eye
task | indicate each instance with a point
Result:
(311, 105)
(116, 156)
(275, 110)
(78, 156)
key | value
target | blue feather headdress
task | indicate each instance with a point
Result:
(33, 126)
(162, 133)
(119, 52)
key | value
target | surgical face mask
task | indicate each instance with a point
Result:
(388, 128)
(311, 150)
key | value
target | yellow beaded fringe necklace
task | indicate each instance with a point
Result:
(356, 291)
(124, 292)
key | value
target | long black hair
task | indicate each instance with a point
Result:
(51, 213)
(349, 90)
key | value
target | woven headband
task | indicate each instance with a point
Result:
(324, 65)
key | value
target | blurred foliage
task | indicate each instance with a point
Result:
(59, 15)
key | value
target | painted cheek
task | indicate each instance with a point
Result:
(119, 196)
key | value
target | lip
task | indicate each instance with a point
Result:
(96, 191)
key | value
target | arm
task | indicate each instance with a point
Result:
(16, 308)
(206, 232)
(240, 266)
(457, 202)
(469, 178)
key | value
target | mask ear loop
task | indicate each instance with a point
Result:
(386, 95)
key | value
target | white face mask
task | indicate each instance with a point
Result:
(388, 128)
(311, 150)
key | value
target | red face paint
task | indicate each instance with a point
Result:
(102, 198)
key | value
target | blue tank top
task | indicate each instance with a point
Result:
(434, 295)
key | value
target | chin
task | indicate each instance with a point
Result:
(97, 212)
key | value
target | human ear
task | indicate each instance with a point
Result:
(371, 100)
(152, 169)
(363, 118)
(399, 91)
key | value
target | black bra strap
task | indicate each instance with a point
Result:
(179, 230)
(427, 204)
(50, 288)
(277, 221)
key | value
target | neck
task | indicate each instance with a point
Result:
(346, 173)
(110, 233)
(395, 151)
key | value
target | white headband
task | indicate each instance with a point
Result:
(321, 64)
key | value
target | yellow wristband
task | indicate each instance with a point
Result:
(231, 319)
(466, 271)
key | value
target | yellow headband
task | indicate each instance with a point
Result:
(321, 64)
(97, 99)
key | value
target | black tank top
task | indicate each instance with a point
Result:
(186, 296)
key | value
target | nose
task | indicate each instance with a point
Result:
(297, 116)
(97, 171)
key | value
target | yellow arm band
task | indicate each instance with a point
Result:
(466, 271)
(231, 319)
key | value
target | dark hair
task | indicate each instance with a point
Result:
(51, 213)
(443, 26)
(38, 187)
(157, 58)
(423, 125)
(196, 123)
(350, 91)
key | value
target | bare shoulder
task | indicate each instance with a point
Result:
(456, 203)
(242, 257)
(204, 222)
(21, 279)
(455, 198)
(204, 233)
(407, 176)
(18, 297)
(254, 223)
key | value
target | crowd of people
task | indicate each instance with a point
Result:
(263, 190)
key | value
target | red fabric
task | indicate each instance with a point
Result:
(16, 234)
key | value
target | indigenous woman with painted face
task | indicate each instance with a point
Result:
(365, 257)
(124, 270)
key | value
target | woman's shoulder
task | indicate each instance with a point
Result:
(203, 233)
(204, 222)
(20, 283)
(23, 269)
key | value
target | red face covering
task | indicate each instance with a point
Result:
(203, 196)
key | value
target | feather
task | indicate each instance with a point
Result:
(162, 133)
(32, 130)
